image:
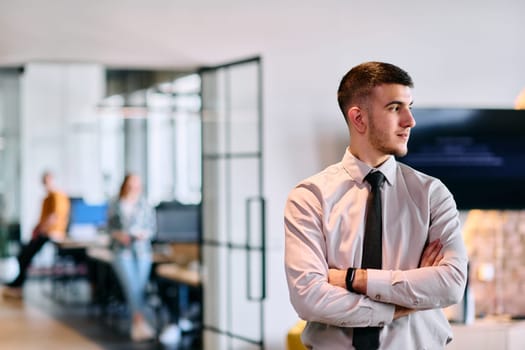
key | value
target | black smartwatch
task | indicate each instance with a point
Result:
(349, 279)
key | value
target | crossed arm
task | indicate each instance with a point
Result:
(318, 293)
(431, 256)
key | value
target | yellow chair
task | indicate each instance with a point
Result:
(293, 340)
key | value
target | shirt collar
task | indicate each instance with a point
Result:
(358, 169)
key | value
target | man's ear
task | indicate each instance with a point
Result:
(356, 119)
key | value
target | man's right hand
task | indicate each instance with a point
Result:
(402, 311)
(431, 256)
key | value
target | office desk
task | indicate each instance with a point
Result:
(105, 285)
(179, 288)
(70, 265)
(178, 274)
(105, 289)
(105, 255)
(100, 254)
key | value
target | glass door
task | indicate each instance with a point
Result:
(9, 159)
(233, 250)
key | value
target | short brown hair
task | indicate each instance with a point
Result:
(358, 83)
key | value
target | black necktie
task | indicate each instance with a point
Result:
(368, 338)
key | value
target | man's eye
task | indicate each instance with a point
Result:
(394, 108)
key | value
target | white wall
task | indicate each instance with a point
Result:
(466, 53)
(59, 132)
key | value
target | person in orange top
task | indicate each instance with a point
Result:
(54, 218)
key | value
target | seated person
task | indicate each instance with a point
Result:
(52, 225)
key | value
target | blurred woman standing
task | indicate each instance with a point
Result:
(131, 224)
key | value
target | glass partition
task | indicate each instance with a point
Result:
(9, 145)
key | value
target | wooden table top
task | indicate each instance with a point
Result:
(179, 274)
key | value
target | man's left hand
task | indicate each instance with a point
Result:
(432, 254)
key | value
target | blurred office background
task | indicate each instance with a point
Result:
(91, 90)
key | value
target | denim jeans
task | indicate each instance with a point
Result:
(132, 266)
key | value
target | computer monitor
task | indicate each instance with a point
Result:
(478, 153)
(178, 223)
(83, 212)
(85, 219)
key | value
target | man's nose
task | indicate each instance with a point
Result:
(410, 122)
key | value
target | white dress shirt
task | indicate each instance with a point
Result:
(324, 225)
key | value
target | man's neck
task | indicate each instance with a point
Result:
(370, 159)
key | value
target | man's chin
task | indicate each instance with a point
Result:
(400, 153)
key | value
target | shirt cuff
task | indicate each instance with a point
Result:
(371, 314)
(379, 285)
(383, 314)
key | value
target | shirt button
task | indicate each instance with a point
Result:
(378, 296)
(416, 302)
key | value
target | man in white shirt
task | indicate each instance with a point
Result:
(424, 261)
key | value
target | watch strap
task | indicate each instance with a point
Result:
(349, 279)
